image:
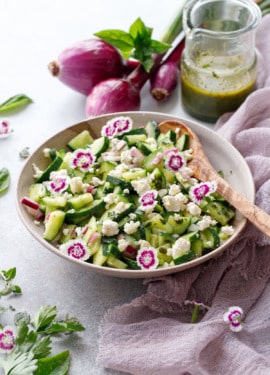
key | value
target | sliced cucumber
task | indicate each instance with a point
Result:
(81, 140)
(182, 142)
(37, 192)
(152, 129)
(134, 139)
(115, 263)
(55, 201)
(220, 212)
(53, 224)
(55, 164)
(154, 160)
(115, 181)
(80, 200)
(210, 238)
(95, 208)
(99, 146)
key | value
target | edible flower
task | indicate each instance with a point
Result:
(201, 190)
(4, 129)
(7, 340)
(174, 160)
(76, 249)
(234, 318)
(59, 182)
(82, 159)
(116, 126)
(147, 258)
(148, 200)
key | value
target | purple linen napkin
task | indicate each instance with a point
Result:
(153, 335)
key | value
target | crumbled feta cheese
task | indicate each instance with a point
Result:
(132, 215)
(120, 207)
(109, 199)
(126, 191)
(174, 203)
(37, 172)
(206, 222)
(174, 189)
(180, 247)
(122, 244)
(46, 152)
(144, 244)
(132, 157)
(76, 185)
(97, 181)
(228, 230)
(131, 227)
(193, 209)
(110, 228)
(162, 192)
(56, 174)
(141, 186)
(157, 159)
(115, 173)
(188, 154)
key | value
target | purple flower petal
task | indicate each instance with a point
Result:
(147, 258)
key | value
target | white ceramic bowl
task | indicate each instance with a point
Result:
(220, 152)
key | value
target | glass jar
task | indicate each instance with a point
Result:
(218, 64)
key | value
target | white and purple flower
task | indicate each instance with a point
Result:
(147, 258)
(76, 249)
(7, 340)
(234, 317)
(58, 184)
(201, 190)
(117, 126)
(174, 160)
(82, 159)
(148, 200)
(4, 129)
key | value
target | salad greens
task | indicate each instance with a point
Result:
(128, 199)
(136, 43)
(25, 348)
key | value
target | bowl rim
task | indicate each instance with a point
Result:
(129, 273)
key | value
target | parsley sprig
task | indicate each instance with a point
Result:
(136, 43)
(26, 348)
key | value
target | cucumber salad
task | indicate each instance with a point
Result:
(128, 199)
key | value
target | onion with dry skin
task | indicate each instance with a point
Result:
(86, 63)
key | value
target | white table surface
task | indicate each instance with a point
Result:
(33, 33)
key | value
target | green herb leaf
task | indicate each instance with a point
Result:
(14, 104)
(136, 43)
(119, 39)
(9, 274)
(44, 317)
(4, 180)
(57, 365)
(19, 363)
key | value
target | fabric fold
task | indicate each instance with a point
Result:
(153, 335)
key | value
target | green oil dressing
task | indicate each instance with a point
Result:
(215, 86)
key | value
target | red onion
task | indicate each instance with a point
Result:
(116, 95)
(86, 63)
(164, 80)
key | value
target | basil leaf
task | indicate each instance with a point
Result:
(14, 104)
(117, 38)
(138, 28)
(4, 180)
(137, 43)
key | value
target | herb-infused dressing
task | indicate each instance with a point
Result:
(218, 65)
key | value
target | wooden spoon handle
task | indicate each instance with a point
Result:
(253, 213)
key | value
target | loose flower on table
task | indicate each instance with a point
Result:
(7, 340)
(234, 317)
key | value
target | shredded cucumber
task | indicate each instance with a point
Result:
(136, 195)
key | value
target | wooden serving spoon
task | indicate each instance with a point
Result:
(204, 171)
